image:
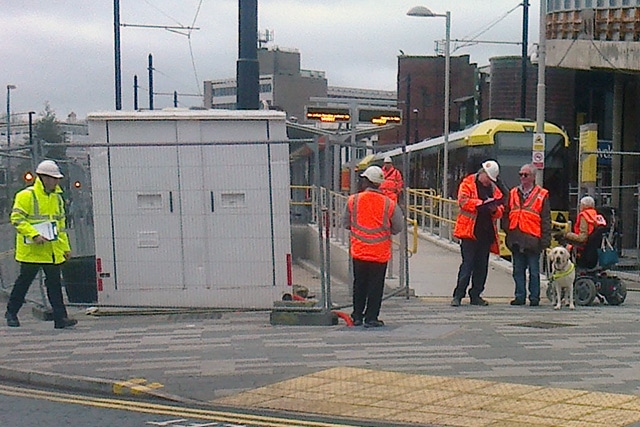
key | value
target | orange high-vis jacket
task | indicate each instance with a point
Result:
(593, 219)
(468, 203)
(371, 214)
(392, 184)
(527, 217)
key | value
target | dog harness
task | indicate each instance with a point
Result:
(561, 274)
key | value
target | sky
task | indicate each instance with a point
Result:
(62, 52)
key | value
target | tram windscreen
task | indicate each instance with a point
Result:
(514, 149)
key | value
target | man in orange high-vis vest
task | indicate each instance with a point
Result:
(480, 202)
(372, 218)
(393, 184)
(528, 226)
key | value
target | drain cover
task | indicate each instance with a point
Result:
(541, 325)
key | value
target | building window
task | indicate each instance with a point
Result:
(266, 88)
(225, 106)
(224, 91)
(588, 3)
(427, 99)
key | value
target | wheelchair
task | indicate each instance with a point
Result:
(593, 281)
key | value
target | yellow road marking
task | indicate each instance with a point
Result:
(159, 409)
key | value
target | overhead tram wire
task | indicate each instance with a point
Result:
(193, 60)
(180, 29)
(470, 39)
(187, 34)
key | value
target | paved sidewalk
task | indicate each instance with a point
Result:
(431, 365)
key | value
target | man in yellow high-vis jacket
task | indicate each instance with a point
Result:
(41, 242)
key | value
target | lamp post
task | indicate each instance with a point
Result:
(424, 12)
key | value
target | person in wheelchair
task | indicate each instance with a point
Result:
(587, 234)
(592, 279)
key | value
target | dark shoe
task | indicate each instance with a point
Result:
(12, 320)
(455, 302)
(65, 323)
(478, 301)
(517, 302)
(373, 323)
(534, 303)
(357, 322)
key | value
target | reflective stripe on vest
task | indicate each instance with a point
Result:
(371, 243)
(466, 220)
(527, 217)
(36, 217)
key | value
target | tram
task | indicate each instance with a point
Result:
(509, 142)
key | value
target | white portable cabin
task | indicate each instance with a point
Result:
(191, 208)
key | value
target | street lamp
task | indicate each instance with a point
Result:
(9, 87)
(424, 12)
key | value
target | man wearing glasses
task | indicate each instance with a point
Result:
(528, 226)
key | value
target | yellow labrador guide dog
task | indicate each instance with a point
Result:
(563, 274)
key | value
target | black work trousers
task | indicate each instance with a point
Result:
(368, 287)
(474, 267)
(52, 282)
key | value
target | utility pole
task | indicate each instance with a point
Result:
(116, 48)
(248, 68)
(9, 174)
(135, 92)
(540, 104)
(525, 58)
(150, 69)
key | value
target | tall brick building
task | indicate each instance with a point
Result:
(426, 93)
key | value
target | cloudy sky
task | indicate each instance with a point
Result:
(62, 51)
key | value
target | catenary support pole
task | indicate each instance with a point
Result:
(541, 95)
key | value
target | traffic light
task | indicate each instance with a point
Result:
(28, 176)
(77, 184)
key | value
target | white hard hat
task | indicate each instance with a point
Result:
(373, 174)
(492, 169)
(49, 168)
(388, 160)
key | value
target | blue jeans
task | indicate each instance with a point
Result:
(522, 261)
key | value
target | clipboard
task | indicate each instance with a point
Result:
(48, 230)
(493, 204)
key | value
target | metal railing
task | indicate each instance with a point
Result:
(433, 214)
